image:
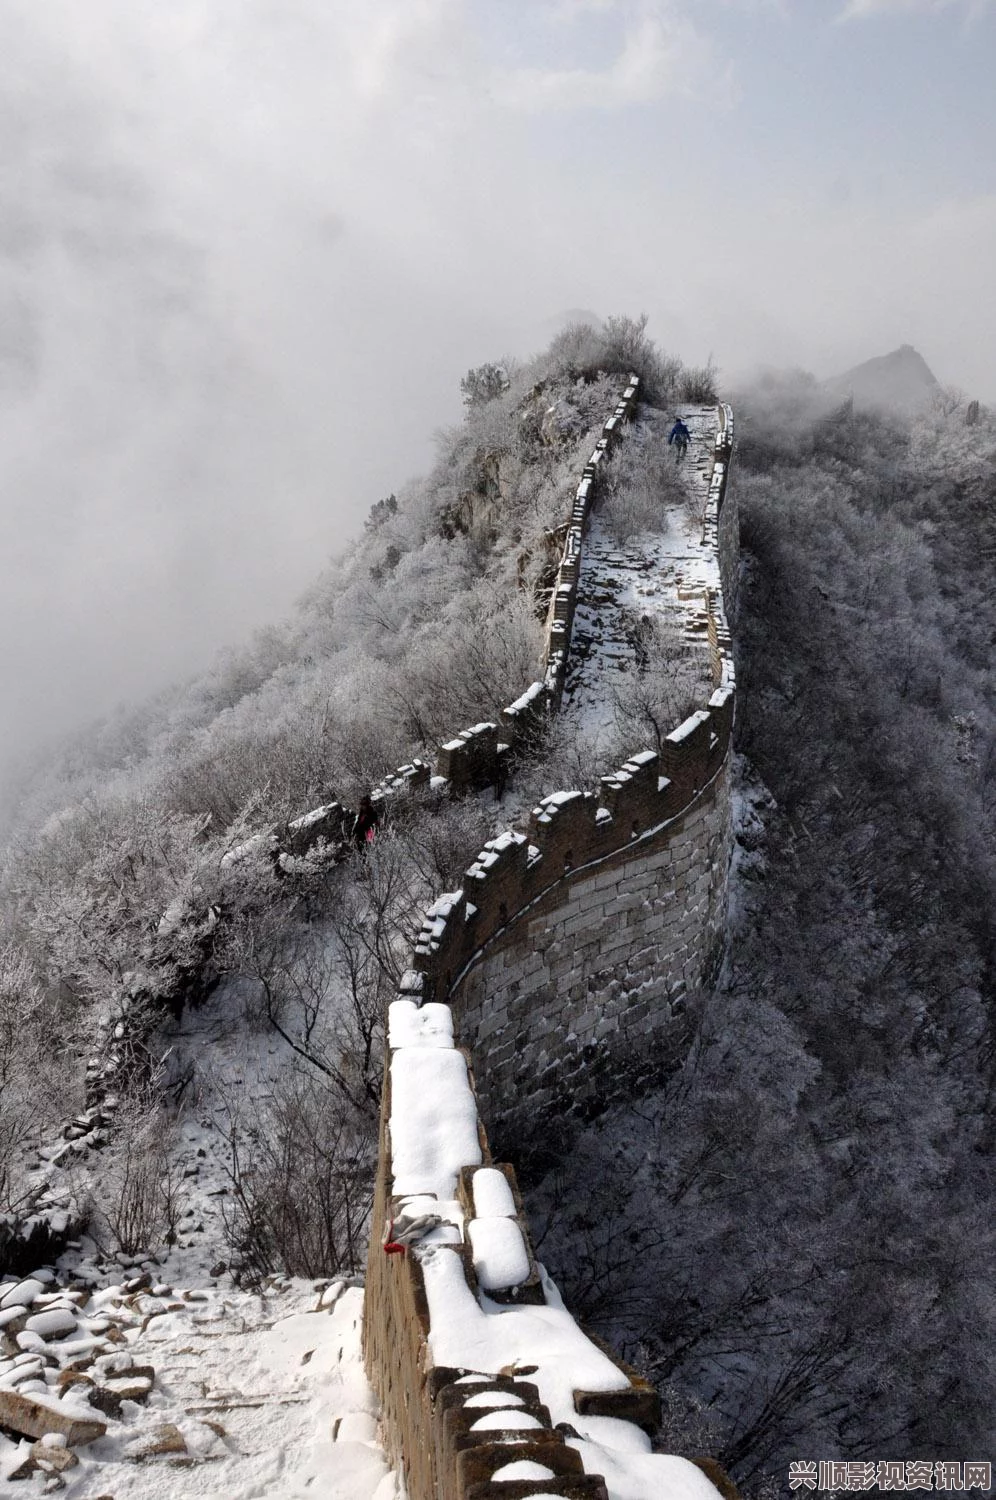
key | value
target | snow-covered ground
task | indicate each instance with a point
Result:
(205, 1388)
(210, 1392)
(659, 573)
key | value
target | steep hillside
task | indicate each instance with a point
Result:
(139, 877)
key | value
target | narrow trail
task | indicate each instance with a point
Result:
(656, 574)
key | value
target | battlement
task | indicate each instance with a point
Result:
(561, 960)
(569, 832)
(481, 1370)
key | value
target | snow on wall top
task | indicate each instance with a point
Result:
(433, 1121)
(470, 1267)
(461, 1304)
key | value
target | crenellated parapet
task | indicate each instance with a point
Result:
(569, 832)
(489, 1388)
(562, 962)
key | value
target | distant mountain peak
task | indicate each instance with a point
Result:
(900, 381)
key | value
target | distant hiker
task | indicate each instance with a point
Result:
(680, 437)
(366, 823)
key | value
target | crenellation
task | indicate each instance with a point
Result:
(327, 824)
(565, 961)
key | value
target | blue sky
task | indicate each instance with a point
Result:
(250, 246)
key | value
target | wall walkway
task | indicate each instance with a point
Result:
(562, 965)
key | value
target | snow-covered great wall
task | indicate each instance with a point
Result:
(557, 971)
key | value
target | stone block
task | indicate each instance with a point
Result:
(646, 922)
(596, 900)
(162, 1441)
(34, 1419)
(477, 1466)
(579, 922)
(51, 1460)
(626, 901)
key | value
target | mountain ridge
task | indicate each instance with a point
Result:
(899, 381)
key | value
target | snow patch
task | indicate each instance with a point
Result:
(433, 1121)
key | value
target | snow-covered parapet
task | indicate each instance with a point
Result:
(476, 757)
(569, 832)
(328, 824)
(485, 1379)
(523, 720)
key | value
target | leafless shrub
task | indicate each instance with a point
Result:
(569, 758)
(29, 1096)
(139, 1200)
(645, 487)
(671, 681)
(627, 348)
(319, 987)
(697, 383)
(471, 672)
(621, 346)
(302, 1175)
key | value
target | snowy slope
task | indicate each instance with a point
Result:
(213, 1392)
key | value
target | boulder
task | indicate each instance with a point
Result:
(53, 1323)
(21, 1293)
(52, 1458)
(34, 1419)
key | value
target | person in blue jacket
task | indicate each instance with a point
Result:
(680, 437)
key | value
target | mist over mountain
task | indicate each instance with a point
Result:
(901, 381)
(220, 220)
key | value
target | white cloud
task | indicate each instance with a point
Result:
(226, 216)
(659, 52)
(856, 10)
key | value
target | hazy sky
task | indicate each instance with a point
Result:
(248, 247)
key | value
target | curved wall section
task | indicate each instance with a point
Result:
(569, 952)
(562, 963)
(582, 998)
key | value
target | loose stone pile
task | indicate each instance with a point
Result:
(65, 1371)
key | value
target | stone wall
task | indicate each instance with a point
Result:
(489, 1390)
(723, 505)
(562, 964)
(583, 998)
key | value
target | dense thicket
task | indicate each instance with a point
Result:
(795, 1233)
